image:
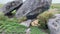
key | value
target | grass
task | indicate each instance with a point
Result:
(1, 5)
(36, 30)
(55, 6)
(12, 25)
(45, 16)
(8, 25)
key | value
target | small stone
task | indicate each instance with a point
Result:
(35, 23)
(28, 31)
(26, 23)
(9, 7)
(31, 8)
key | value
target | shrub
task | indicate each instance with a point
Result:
(43, 18)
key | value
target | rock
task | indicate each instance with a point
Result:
(0, 10)
(54, 24)
(31, 8)
(28, 31)
(26, 23)
(35, 23)
(10, 6)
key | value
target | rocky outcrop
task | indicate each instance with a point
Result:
(54, 24)
(10, 6)
(31, 8)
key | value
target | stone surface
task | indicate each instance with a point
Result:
(28, 31)
(0, 9)
(10, 6)
(31, 8)
(26, 23)
(35, 23)
(54, 24)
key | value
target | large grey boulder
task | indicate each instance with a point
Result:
(10, 6)
(31, 8)
(54, 24)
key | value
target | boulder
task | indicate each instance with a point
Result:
(31, 8)
(10, 6)
(54, 24)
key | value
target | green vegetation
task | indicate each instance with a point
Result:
(43, 18)
(1, 5)
(55, 6)
(13, 25)
(10, 25)
(36, 30)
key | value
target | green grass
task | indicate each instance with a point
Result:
(12, 25)
(9, 25)
(1, 5)
(55, 6)
(36, 30)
